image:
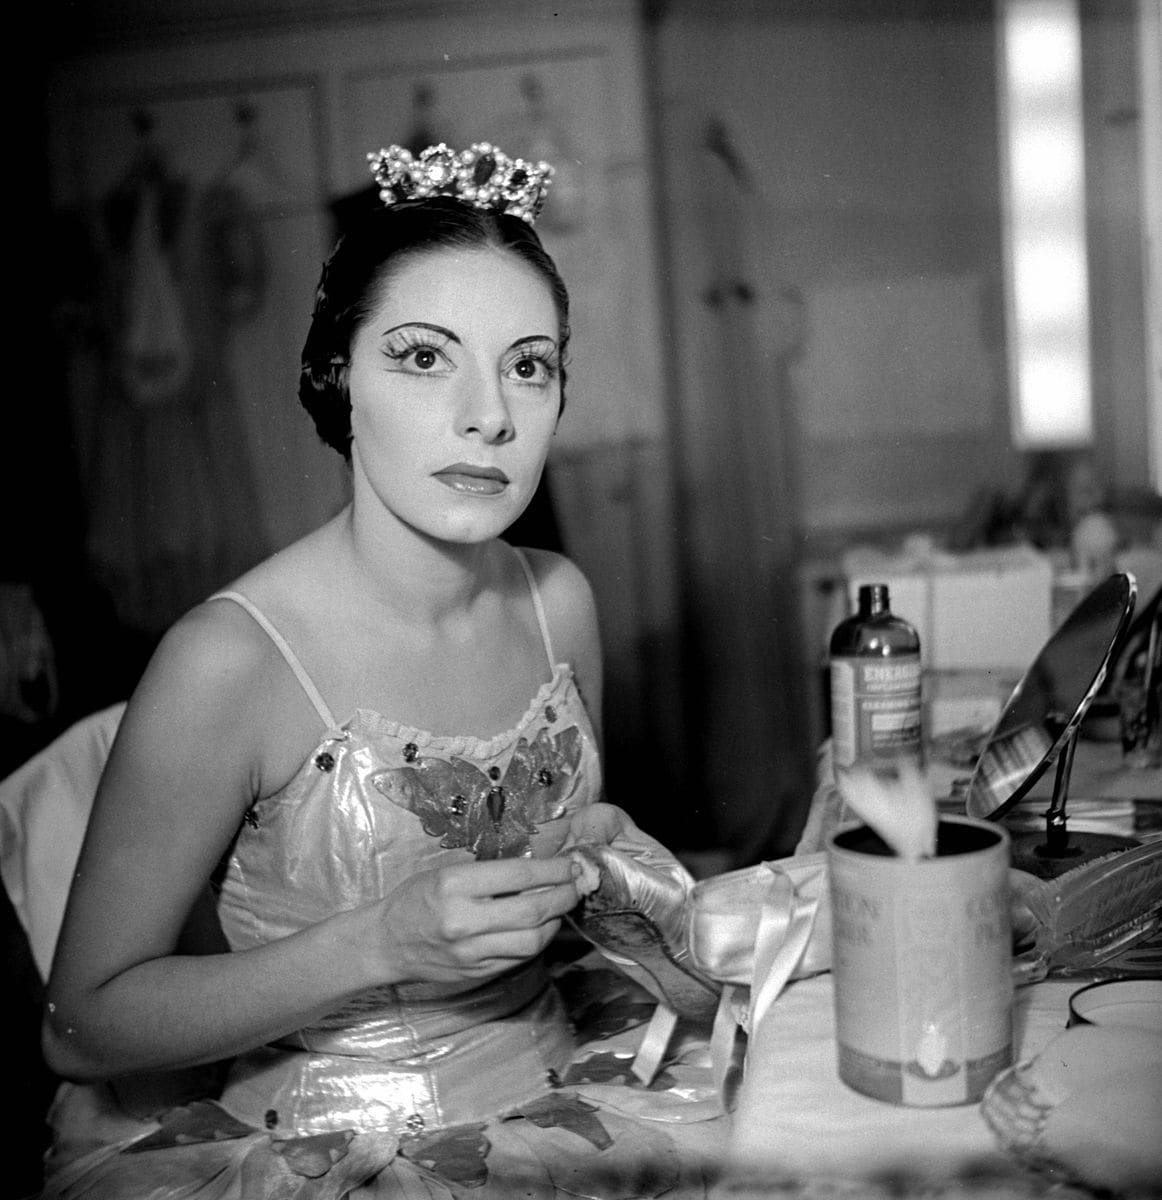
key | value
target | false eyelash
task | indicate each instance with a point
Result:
(548, 356)
(407, 341)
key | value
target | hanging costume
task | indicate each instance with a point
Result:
(174, 507)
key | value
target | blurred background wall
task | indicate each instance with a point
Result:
(781, 224)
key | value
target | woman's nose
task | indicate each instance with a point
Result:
(484, 410)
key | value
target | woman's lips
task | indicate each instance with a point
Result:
(472, 480)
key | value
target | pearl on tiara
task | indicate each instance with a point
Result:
(482, 176)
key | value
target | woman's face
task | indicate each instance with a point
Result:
(455, 391)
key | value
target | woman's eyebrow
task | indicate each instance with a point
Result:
(423, 325)
(532, 339)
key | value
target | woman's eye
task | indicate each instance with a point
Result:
(416, 358)
(532, 370)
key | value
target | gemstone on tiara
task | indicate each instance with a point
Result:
(482, 176)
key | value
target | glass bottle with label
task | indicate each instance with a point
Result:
(875, 685)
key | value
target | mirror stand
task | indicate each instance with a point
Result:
(1039, 727)
(1057, 850)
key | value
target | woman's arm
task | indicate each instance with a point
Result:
(187, 763)
(183, 770)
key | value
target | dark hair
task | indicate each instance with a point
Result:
(359, 266)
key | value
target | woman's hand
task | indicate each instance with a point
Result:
(601, 825)
(594, 825)
(608, 825)
(474, 920)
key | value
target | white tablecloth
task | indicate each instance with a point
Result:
(795, 1118)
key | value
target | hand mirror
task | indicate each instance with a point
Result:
(1039, 723)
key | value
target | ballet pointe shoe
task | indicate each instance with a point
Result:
(636, 916)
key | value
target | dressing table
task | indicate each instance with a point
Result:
(1067, 799)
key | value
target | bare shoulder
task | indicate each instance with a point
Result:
(566, 594)
(216, 681)
(553, 570)
(208, 668)
(217, 646)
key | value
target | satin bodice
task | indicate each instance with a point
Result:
(348, 827)
(374, 803)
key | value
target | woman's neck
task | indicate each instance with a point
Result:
(418, 579)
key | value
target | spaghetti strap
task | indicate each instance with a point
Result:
(538, 607)
(307, 683)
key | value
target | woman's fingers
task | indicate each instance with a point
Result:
(500, 896)
(513, 912)
(528, 909)
(480, 918)
(494, 952)
(506, 876)
(600, 823)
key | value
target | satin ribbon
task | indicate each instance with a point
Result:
(755, 930)
(648, 1060)
(638, 876)
(751, 930)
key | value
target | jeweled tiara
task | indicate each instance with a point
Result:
(482, 176)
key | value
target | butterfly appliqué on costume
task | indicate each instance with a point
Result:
(492, 815)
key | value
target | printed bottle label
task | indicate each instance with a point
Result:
(875, 709)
